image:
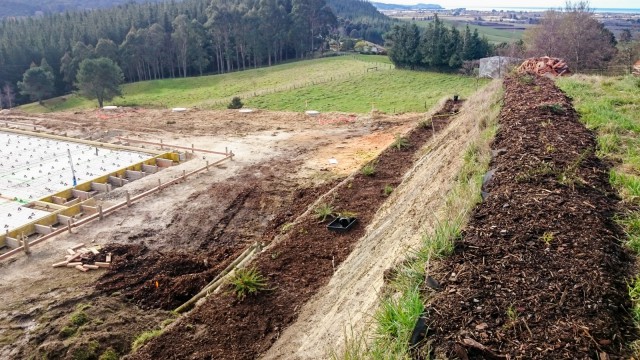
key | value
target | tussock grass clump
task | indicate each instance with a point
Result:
(369, 169)
(323, 211)
(400, 142)
(144, 338)
(247, 281)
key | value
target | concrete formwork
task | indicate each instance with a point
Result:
(37, 188)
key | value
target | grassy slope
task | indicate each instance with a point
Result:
(611, 107)
(390, 91)
(344, 83)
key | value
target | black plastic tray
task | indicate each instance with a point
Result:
(341, 224)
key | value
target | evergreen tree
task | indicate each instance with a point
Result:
(37, 83)
(99, 79)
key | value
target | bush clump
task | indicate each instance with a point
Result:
(235, 103)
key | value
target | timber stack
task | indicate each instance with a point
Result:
(544, 66)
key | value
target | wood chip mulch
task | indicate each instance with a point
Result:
(540, 272)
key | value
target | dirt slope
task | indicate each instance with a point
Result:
(347, 302)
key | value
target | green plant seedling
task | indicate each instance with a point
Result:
(323, 211)
(369, 169)
(388, 189)
(286, 227)
(547, 237)
(400, 142)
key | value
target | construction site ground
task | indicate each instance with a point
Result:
(281, 165)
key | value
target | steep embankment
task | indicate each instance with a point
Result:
(345, 305)
(540, 271)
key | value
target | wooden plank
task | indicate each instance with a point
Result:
(77, 246)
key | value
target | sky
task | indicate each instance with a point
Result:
(510, 3)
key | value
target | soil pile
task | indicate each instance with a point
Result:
(296, 267)
(540, 272)
(152, 279)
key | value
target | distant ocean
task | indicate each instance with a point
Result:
(595, 10)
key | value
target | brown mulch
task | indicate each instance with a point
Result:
(296, 267)
(203, 241)
(508, 293)
(152, 279)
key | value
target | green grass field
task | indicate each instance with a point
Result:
(493, 35)
(345, 83)
(392, 91)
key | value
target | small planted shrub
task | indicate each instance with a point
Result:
(426, 124)
(557, 109)
(247, 281)
(388, 189)
(235, 103)
(400, 142)
(369, 169)
(323, 211)
(547, 237)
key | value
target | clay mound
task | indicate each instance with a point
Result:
(544, 66)
(152, 279)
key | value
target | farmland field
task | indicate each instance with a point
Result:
(346, 83)
(492, 34)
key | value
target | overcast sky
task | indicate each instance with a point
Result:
(510, 3)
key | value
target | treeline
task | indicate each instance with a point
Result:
(171, 39)
(359, 19)
(434, 47)
(32, 7)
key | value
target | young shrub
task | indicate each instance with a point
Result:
(388, 189)
(400, 142)
(235, 103)
(247, 281)
(369, 169)
(323, 211)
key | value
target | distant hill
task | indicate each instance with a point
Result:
(12, 8)
(383, 6)
(355, 9)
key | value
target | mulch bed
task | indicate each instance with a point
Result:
(202, 243)
(540, 272)
(227, 328)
